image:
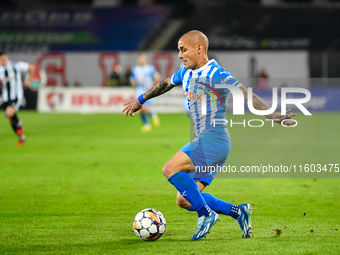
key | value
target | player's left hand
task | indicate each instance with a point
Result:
(279, 118)
(131, 107)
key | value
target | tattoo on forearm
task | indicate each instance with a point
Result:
(159, 89)
(259, 104)
(245, 93)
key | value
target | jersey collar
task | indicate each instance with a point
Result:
(201, 68)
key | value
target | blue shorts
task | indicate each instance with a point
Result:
(208, 152)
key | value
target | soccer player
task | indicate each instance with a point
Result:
(144, 77)
(199, 78)
(13, 92)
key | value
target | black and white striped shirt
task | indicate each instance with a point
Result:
(12, 87)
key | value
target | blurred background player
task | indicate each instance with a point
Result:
(13, 91)
(144, 77)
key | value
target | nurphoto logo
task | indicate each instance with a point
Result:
(238, 104)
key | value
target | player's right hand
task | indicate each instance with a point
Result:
(131, 107)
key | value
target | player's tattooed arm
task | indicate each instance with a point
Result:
(159, 89)
(259, 104)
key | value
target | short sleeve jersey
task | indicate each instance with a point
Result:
(205, 101)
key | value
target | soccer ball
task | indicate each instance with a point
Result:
(149, 224)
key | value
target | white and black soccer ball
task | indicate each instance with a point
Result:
(149, 224)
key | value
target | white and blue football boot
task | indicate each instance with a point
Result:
(204, 224)
(244, 220)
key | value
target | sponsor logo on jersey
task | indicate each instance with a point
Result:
(193, 96)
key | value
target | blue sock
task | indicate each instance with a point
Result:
(144, 119)
(150, 114)
(189, 190)
(219, 206)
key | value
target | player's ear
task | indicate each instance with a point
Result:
(199, 49)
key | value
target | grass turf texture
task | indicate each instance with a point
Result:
(79, 181)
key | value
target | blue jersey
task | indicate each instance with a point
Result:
(205, 102)
(144, 78)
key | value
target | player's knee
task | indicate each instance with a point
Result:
(145, 109)
(167, 170)
(10, 111)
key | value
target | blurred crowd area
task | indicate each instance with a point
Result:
(18, 3)
(85, 43)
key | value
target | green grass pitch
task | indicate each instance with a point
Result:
(77, 184)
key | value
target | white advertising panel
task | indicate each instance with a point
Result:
(95, 100)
